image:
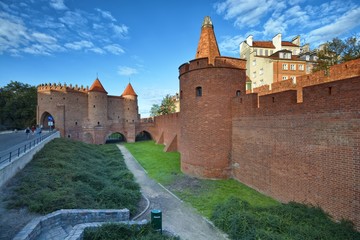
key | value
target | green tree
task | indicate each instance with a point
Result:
(154, 111)
(337, 51)
(167, 106)
(17, 105)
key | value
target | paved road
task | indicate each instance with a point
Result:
(178, 217)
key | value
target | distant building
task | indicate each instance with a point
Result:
(276, 60)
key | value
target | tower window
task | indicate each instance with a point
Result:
(238, 93)
(198, 91)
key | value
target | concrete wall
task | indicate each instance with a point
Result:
(9, 169)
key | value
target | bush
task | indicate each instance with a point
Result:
(286, 221)
(124, 232)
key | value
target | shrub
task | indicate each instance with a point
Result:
(285, 221)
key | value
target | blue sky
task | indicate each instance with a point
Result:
(144, 41)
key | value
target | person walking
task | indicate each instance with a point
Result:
(27, 131)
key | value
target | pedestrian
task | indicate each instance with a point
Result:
(27, 131)
(33, 129)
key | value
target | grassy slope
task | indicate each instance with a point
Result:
(165, 168)
(72, 174)
(240, 211)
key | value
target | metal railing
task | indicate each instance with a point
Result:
(15, 152)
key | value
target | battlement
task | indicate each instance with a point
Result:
(340, 71)
(220, 62)
(62, 88)
(328, 96)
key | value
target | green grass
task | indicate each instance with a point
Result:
(68, 174)
(161, 166)
(124, 232)
(240, 211)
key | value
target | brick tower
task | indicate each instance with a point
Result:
(207, 85)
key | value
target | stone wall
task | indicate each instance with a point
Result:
(72, 217)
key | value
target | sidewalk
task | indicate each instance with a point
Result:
(177, 217)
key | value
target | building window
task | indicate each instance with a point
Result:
(284, 77)
(292, 67)
(285, 66)
(254, 74)
(281, 55)
(271, 52)
(261, 52)
(301, 67)
(266, 52)
(238, 93)
(254, 62)
(255, 51)
(198, 91)
(293, 78)
(261, 72)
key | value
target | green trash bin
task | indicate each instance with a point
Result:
(156, 220)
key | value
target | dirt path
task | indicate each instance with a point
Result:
(178, 217)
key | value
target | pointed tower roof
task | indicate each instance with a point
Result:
(207, 46)
(129, 91)
(97, 87)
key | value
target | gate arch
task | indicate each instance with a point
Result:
(47, 121)
(143, 136)
(115, 137)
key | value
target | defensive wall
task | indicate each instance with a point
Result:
(336, 72)
(304, 152)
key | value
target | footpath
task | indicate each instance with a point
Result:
(177, 217)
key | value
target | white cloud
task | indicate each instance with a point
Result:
(120, 30)
(230, 45)
(97, 50)
(106, 14)
(37, 49)
(114, 49)
(79, 45)
(248, 13)
(72, 19)
(126, 71)
(58, 4)
(12, 34)
(274, 26)
(43, 38)
(342, 25)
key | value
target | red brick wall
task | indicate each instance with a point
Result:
(305, 152)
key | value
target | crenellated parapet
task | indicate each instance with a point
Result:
(328, 96)
(220, 62)
(337, 72)
(62, 87)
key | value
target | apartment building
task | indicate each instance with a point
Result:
(275, 60)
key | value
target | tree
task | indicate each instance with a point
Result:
(167, 106)
(154, 111)
(337, 51)
(17, 105)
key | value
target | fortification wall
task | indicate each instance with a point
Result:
(304, 152)
(168, 131)
(337, 72)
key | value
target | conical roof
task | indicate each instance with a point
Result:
(207, 46)
(97, 87)
(129, 91)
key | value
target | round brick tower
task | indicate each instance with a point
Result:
(97, 104)
(130, 104)
(207, 85)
